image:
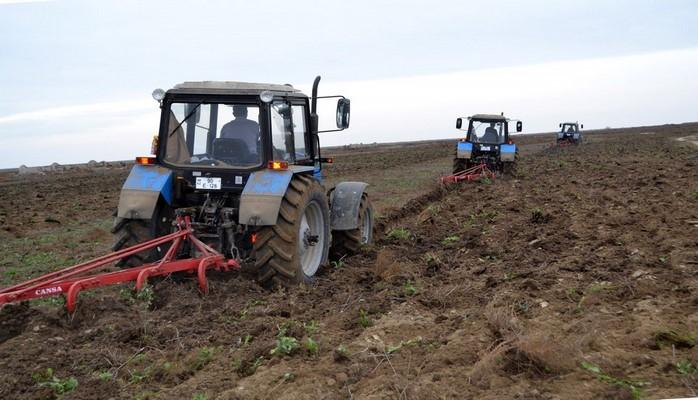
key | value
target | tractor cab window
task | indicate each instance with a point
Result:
(569, 128)
(217, 135)
(288, 131)
(299, 131)
(486, 132)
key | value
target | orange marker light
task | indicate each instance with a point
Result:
(253, 237)
(145, 160)
(278, 165)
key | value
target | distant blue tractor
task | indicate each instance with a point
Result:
(486, 144)
(243, 162)
(570, 133)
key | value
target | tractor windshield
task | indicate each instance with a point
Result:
(217, 135)
(569, 128)
(491, 132)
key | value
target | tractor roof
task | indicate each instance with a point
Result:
(230, 87)
(570, 123)
(489, 117)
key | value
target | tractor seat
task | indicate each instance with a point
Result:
(234, 150)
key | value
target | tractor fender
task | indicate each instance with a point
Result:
(345, 201)
(464, 150)
(507, 152)
(142, 190)
(261, 197)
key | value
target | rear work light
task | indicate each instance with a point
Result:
(278, 165)
(145, 160)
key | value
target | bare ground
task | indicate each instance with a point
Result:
(574, 279)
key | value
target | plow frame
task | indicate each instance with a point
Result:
(566, 142)
(71, 280)
(473, 173)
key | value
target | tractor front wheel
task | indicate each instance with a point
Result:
(292, 251)
(349, 242)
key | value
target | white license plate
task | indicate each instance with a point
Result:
(208, 183)
(485, 148)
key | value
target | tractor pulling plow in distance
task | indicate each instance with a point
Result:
(219, 195)
(487, 150)
(570, 134)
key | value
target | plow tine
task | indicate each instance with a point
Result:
(201, 273)
(143, 275)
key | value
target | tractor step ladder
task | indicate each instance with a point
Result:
(70, 281)
(474, 173)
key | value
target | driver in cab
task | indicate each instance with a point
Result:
(491, 135)
(242, 128)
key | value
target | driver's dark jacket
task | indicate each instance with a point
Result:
(243, 129)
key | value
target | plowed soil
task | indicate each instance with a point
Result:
(574, 279)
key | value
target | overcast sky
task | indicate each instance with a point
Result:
(76, 76)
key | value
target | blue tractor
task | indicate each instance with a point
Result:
(243, 162)
(570, 133)
(486, 144)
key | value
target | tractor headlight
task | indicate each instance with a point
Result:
(266, 96)
(158, 94)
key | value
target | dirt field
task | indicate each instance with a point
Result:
(573, 280)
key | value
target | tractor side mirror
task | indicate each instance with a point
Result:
(560, 125)
(582, 126)
(459, 123)
(519, 126)
(343, 113)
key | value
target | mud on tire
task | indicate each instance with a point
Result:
(345, 243)
(128, 232)
(281, 253)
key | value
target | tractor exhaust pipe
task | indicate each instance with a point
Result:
(313, 107)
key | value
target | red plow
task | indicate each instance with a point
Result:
(70, 281)
(564, 143)
(474, 173)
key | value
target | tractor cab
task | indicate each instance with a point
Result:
(215, 134)
(486, 142)
(569, 133)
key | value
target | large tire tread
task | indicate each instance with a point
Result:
(460, 164)
(276, 248)
(129, 232)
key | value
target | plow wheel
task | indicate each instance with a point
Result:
(346, 243)
(291, 251)
(128, 232)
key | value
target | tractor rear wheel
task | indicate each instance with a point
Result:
(128, 232)
(292, 251)
(349, 242)
(509, 168)
(460, 164)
